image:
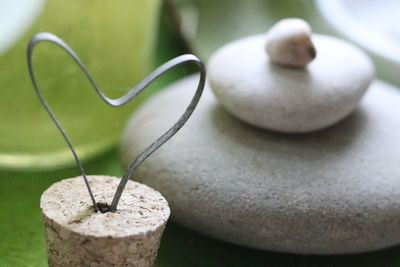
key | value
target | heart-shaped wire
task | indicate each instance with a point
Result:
(133, 92)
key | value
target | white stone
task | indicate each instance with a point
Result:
(332, 191)
(288, 43)
(290, 100)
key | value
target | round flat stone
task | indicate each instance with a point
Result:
(331, 191)
(291, 100)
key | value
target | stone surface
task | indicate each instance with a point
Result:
(291, 100)
(332, 191)
(76, 235)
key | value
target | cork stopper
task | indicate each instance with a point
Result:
(76, 235)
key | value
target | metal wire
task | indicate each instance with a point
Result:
(132, 93)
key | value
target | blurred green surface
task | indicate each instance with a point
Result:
(114, 39)
(21, 232)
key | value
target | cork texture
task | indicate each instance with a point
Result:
(76, 235)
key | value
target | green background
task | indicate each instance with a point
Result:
(21, 232)
(95, 29)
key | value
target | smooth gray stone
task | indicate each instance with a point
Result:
(290, 100)
(332, 191)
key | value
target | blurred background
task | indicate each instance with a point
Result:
(120, 42)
